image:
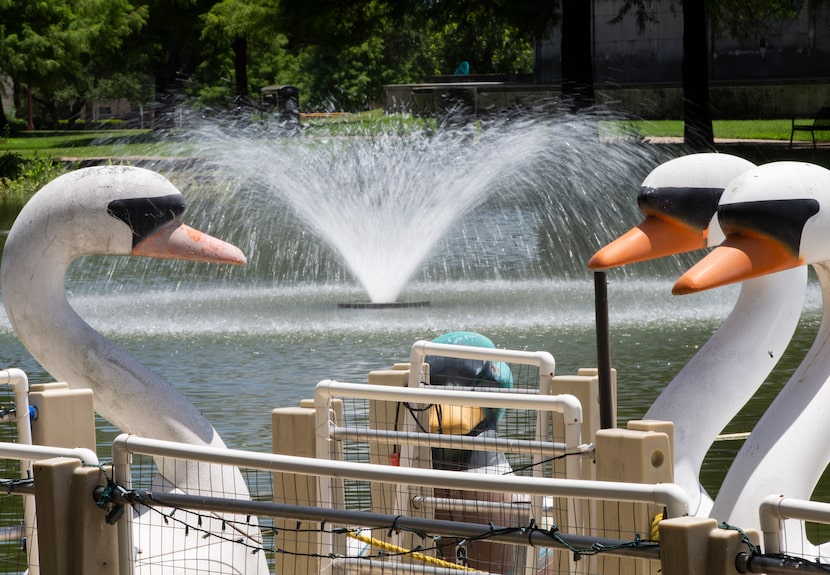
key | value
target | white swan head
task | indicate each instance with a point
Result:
(775, 217)
(679, 199)
(112, 210)
(119, 210)
(105, 210)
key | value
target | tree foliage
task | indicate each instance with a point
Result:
(339, 53)
(751, 20)
(58, 47)
(232, 24)
(172, 41)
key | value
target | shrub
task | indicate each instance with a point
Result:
(21, 177)
(11, 165)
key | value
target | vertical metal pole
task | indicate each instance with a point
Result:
(607, 417)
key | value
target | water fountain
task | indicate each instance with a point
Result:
(447, 205)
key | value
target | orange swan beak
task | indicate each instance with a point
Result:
(738, 258)
(653, 238)
(181, 242)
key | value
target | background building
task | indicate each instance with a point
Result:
(781, 71)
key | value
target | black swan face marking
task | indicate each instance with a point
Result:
(782, 220)
(146, 215)
(691, 206)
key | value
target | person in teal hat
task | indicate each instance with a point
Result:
(450, 371)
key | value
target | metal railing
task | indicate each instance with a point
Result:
(422, 349)
(774, 509)
(670, 496)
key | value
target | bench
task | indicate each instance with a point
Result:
(821, 122)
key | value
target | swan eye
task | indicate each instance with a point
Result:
(146, 215)
(692, 206)
(782, 220)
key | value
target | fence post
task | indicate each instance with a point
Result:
(392, 416)
(724, 546)
(612, 392)
(53, 516)
(683, 545)
(585, 387)
(666, 427)
(72, 531)
(93, 542)
(571, 515)
(293, 434)
(65, 417)
(635, 457)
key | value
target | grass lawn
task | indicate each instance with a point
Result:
(126, 143)
(87, 144)
(723, 129)
(27, 160)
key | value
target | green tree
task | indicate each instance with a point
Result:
(341, 53)
(492, 36)
(49, 46)
(231, 23)
(172, 40)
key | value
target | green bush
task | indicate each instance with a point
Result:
(21, 177)
(11, 165)
(109, 124)
(14, 126)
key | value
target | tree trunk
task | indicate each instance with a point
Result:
(4, 123)
(697, 131)
(240, 64)
(75, 109)
(52, 108)
(577, 54)
(30, 122)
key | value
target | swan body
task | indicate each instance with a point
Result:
(118, 210)
(777, 217)
(679, 199)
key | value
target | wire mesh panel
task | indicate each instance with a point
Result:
(466, 486)
(441, 367)
(446, 433)
(14, 538)
(201, 541)
(483, 434)
(326, 537)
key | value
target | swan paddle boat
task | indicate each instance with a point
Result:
(128, 211)
(679, 199)
(777, 217)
